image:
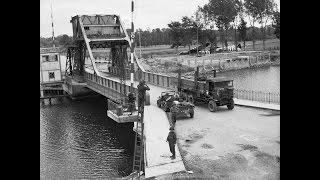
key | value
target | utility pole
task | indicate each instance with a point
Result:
(197, 40)
(140, 42)
(52, 27)
(132, 46)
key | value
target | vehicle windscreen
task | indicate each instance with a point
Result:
(223, 84)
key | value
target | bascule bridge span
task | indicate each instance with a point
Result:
(106, 34)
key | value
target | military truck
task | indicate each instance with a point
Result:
(213, 91)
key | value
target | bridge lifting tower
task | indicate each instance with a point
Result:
(92, 33)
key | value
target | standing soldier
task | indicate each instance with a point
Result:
(172, 139)
(142, 87)
(131, 102)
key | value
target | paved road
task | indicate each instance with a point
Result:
(243, 142)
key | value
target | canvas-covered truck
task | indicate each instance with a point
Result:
(214, 91)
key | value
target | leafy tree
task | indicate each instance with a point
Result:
(259, 10)
(176, 33)
(189, 28)
(243, 32)
(276, 24)
(223, 12)
(64, 40)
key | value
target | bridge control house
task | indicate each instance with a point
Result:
(50, 66)
(50, 73)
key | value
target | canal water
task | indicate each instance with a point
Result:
(78, 141)
(265, 79)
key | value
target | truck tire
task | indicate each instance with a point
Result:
(231, 105)
(212, 105)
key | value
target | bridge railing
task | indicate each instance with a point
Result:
(155, 79)
(165, 82)
(107, 87)
(260, 96)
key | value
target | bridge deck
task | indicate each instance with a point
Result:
(156, 129)
(158, 161)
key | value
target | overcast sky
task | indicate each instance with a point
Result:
(148, 13)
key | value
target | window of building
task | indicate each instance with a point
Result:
(56, 57)
(45, 58)
(51, 75)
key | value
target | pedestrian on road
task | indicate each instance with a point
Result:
(172, 139)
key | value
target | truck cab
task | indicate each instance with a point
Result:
(220, 91)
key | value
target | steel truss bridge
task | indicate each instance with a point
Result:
(105, 33)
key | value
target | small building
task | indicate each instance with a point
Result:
(50, 66)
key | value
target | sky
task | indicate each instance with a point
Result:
(147, 13)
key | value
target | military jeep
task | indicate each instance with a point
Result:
(165, 100)
(181, 108)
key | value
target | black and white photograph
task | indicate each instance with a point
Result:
(160, 89)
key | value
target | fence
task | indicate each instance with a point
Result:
(257, 96)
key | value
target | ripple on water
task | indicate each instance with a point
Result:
(78, 141)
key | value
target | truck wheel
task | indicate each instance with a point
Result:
(191, 113)
(231, 105)
(212, 106)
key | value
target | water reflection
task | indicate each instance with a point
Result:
(77, 140)
(266, 79)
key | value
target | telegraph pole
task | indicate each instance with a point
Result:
(140, 42)
(132, 46)
(52, 27)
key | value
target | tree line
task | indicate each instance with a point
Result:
(225, 20)
(217, 21)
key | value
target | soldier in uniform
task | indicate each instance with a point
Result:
(142, 87)
(131, 100)
(172, 139)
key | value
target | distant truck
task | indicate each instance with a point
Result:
(214, 91)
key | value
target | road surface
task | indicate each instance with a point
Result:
(243, 143)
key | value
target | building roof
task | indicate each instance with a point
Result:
(50, 50)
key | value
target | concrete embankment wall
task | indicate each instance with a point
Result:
(243, 62)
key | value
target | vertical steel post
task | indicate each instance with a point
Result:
(140, 42)
(132, 46)
(52, 27)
